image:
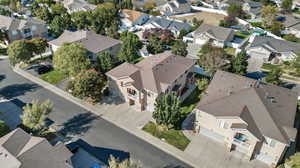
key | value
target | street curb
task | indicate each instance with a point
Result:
(145, 136)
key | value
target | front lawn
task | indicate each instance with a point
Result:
(54, 76)
(172, 137)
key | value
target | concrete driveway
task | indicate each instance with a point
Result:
(211, 154)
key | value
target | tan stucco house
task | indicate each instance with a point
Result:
(18, 29)
(93, 42)
(139, 84)
(248, 116)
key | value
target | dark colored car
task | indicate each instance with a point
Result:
(42, 69)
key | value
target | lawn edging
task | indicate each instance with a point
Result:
(173, 151)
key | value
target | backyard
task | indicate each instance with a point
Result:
(208, 18)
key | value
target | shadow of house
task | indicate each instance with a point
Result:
(256, 75)
(11, 111)
(16, 90)
(102, 154)
(2, 77)
(77, 125)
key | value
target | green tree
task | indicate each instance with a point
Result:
(167, 110)
(202, 85)
(81, 19)
(273, 77)
(127, 163)
(287, 5)
(4, 129)
(58, 9)
(155, 45)
(268, 14)
(20, 51)
(296, 64)
(235, 10)
(88, 84)
(126, 4)
(5, 12)
(293, 161)
(71, 58)
(211, 58)
(240, 63)
(130, 47)
(59, 24)
(179, 48)
(39, 45)
(35, 114)
(4, 2)
(291, 37)
(105, 61)
(277, 28)
(43, 13)
(112, 31)
(103, 16)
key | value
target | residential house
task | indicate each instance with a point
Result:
(139, 84)
(175, 7)
(78, 5)
(130, 18)
(296, 4)
(291, 24)
(271, 50)
(252, 8)
(18, 149)
(93, 42)
(248, 116)
(218, 36)
(163, 23)
(17, 29)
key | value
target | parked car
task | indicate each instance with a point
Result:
(42, 69)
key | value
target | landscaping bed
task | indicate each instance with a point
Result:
(172, 137)
(54, 76)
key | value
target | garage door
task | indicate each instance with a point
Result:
(264, 158)
(215, 136)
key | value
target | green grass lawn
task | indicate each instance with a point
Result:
(230, 51)
(269, 66)
(190, 103)
(173, 137)
(53, 77)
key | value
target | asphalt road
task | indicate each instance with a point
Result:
(104, 137)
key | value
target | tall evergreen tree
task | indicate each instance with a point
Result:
(179, 48)
(240, 63)
(273, 77)
(130, 47)
(167, 110)
(105, 62)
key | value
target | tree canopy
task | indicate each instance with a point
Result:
(59, 24)
(35, 114)
(240, 63)
(4, 129)
(274, 76)
(235, 10)
(130, 47)
(20, 51)
(105, 61)
(179, 48)
(287, 5)
(211, 58)
(88, 84)
(268, 14)
(167, 110)
(39, 45)
(155, 45)
(81, 19)
(71, 59)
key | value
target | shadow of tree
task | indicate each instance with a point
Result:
(173, 166)
(77, 125)
(102, 154)
(15, 90)
(2, 77)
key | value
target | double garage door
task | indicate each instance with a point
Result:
(264, 158)
(215, 136)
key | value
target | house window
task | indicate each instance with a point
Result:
(33, 28)
(131, 91)
(222, 124)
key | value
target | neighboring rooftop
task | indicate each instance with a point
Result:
(132, 15)
(169, 24)
(216, 32)
(78, 5)
(19, 149)
(154, 73)
(9, 23)
(93, 42)
(275, 45)
(268, 110)
(289, 21)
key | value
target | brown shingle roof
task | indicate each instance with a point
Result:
(154, 73)
(133, 15)
(92, 41)
(271, 108)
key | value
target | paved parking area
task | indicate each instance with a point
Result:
(211, 154)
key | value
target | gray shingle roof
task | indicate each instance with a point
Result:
(169, 24)
(268, 109)
(154, 73)
(219, 33)
(93, 42)
(275, 44)
(9, 23)
(33, 151)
